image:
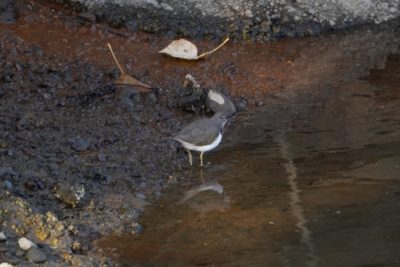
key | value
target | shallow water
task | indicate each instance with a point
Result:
(310, 178)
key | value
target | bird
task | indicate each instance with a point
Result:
(202, 135)
(220, 103)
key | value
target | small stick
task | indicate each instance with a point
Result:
(215, 49)
(115, 59)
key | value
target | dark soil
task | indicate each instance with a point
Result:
(79, 156)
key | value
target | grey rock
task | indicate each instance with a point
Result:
(80, 144)
(191, 97)
(7, 12)
(12, 260)
(219, 103)
(36, 256)
(87, 17)
(241, 18)
(70, 194)
(101, 157)
(136, 228)
(19, 253)
(76, 246)
(7, 185)
(7, 171)
(3, 237)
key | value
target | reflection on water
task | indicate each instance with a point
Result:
(311, 178)
(295, 202)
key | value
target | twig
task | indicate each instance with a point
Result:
(115, 59)
(215, 49)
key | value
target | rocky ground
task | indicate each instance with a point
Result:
(79, 156)
(256, 19)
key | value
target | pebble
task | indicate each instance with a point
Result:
(19, 253)
(101, 157)
(36, 256)
(87, 17)
(12, 260)
(71, 194)
(25, 243)
(7, 171)
(259, 103)
(7, 185)
(34, 184)
(2, 236)
(5, 264)
(136, 228)
(76, 246)
(241, 105)
(80, 144)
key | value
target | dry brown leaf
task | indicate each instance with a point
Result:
(186, 50)
(126, 79)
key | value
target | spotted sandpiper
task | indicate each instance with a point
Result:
(202, 135)
(218, 102)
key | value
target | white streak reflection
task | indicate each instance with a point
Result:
(211, 186)
(295, 202)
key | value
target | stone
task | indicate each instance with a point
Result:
(36, 256)
(7, 171)
(87, 17)
(76, 246)
(2, 236)
(25, 243)
(219, 103)
(101, 157)
(19, 253)
(80, 144)
(7, 11)
(71, 194)
(12, 260)
(237, 18)
(7, 185)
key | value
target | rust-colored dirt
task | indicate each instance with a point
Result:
(244, 69)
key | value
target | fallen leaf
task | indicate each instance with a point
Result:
(126, 79)
(186, 50)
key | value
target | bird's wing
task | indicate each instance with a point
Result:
(199, 135)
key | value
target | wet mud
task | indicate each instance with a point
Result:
(82, 158)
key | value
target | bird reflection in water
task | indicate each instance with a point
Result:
(199, 198)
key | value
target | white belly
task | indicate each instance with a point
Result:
(202, 148)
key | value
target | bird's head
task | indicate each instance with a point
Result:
(222, 119)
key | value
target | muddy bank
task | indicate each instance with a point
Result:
(240, 19)
(80, 157)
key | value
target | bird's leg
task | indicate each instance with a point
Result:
(190, 157)
(201, 159)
